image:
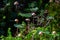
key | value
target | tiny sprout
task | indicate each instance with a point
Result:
(27, 19)
(16, 3)
(33, 14)
(54, 32)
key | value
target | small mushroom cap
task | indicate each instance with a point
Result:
(27, 19)
(40, 33)
(16, 3)
(16, 20)
(19, 35)
(54, 32)
(33, 14)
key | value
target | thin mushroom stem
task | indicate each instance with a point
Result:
(33, 19)
(28, 25)
(16, 8)
(33, 23)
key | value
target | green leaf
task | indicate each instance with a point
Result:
(25, 14)
(31, 9)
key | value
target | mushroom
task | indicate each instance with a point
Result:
(27, 20)
(27, 27)
(16, 3)
(40, 33)
(54, 32)
(33, 14)
(16, 20)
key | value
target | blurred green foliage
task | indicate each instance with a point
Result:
(54, 15)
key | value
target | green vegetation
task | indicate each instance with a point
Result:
(48, 20)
